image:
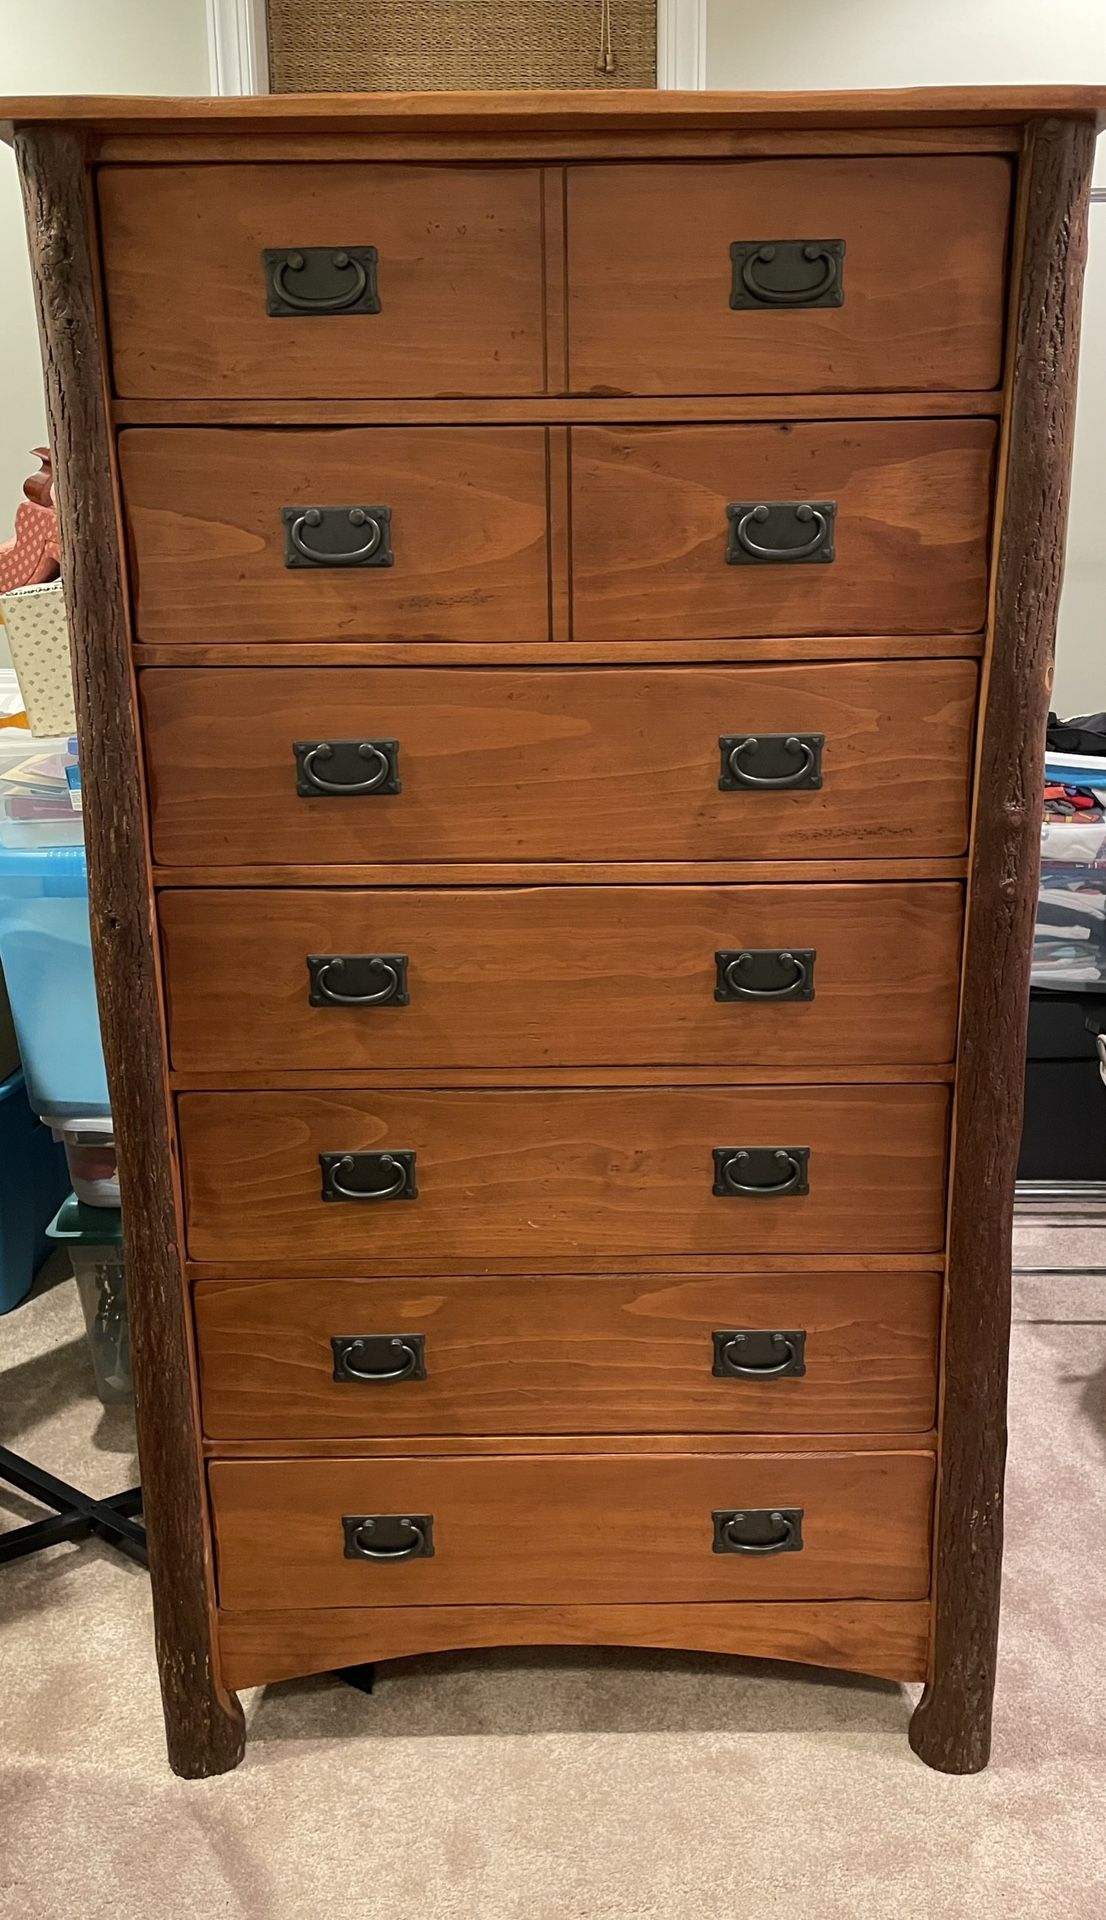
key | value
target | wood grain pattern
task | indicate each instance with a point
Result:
(495, 1445)
(883, 1637)
(602, 764)
(561, 975)
(204, 1726)
(468, 531)
(564, 409)
(173, 146)
(649, 528)
(459, 275)
(924, 275)
(536, 110)
(605, 1355)
(523, 1175)
(951, 1728)
(586, 1529)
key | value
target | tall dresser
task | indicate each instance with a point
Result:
(563, 590)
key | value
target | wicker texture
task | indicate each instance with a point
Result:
(407, 46)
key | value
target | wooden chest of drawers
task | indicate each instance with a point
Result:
(563, 590)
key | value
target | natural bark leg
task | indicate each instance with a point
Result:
(951, 1728)
(204, 1725)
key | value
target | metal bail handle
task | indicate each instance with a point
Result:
(730, 1350)
(792, 987)
(397, 1170)
(409, 1362)
(788, 1539)
(361, 1530)
(312, 517)
(323, 302)
(367, 750)
(790, 296)
(757, 515)
(730, 1162)
(751, 745)
(391, 975)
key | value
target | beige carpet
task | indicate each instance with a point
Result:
(566, 1785)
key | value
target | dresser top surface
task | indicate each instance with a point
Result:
(533, 110)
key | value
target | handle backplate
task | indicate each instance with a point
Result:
(379, 1359)
(388, 1536)
(346, 769)
(771, 762)
(337, 536)
(765, 974)
(357, 980)
(775, 533)
(758, 1353)
(758, 1530)
(787, 273)
(367, 1177)
(304, 283)
(760, 1173)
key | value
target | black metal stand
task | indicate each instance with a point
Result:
(76, 1515)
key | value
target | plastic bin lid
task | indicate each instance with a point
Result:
(84, 1226)
(14, 1083)
(65, 869)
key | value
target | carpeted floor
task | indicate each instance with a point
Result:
(569, 1785)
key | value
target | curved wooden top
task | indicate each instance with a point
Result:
(534, 110)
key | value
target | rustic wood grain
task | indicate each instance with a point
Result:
(597, 1355)
(203, 1721)
(436, 1446)
(649, 528)
(606, 764)
(525, 1175)
(559, 976)
(468, 532)
(564, 409)
(884, 1637)
(588, 1529)
(651, 318)
(459, 274)
(951, 1728)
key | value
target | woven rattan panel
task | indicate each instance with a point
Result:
(401, 46)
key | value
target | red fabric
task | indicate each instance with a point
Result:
(32, 556)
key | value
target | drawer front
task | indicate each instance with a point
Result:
(195, 258)
(601, 764)
(538, 976)
(822, 1353)
(669, 291)
(721, 532)
(440, 531)
(574, 1528)
(548, 1175)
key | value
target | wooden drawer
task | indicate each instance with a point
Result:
(532, 1175)
(458, 277)
(574, 1528)
(650, 275)
(597, 1355)
(665, 545)
(542, 976)
(208, 508)
(574, 764)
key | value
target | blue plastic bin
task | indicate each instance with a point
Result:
(46, 954)
(34, 1180)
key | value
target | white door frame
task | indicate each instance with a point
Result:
(237, 46)
(238, 56)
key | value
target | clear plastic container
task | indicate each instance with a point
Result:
(94, 1240)
(90, 1151)
(1069, 939)
(38, 817)
(46, 954)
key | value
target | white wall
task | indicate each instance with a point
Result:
(899, 43)
(70, 46)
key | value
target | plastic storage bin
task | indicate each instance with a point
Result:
(1069, 940)
(46, 813)
(46, 954)
(33, 1178)
(90, 1151)
(94, 1239)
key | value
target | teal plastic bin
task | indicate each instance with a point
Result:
(46, 954)
(34, 1179)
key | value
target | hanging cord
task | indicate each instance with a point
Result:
(605, 61)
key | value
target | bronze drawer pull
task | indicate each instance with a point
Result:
(396, 1170)
(729, 1526)
(382, 756)
(790, 284)
(351, 1351)
(732, 1343)
(415, 1531)
(344, 279)
(764, 962)
(389, 968)
(731, 1161)
(774, 749)
(373, 551)
(743, 550)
